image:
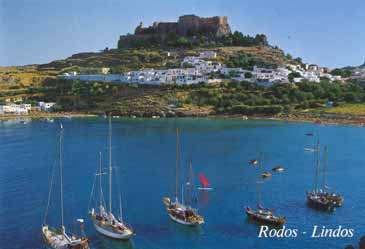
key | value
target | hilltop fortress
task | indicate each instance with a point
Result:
(186, 26)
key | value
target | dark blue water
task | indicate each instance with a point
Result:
(144, 155)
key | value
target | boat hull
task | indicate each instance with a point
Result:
(329, 206)
(55, 240)
(182, 222)
(270, 222)
(111, 234)
(320, 206)
(171, 211)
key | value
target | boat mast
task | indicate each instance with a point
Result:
(101, 188)
(325, 165)
(110, 167)
(259, 182)
(177, 164)
(120, 208)
(189, 185)
(316, 167)
(61, 179)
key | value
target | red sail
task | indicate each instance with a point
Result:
(204, 180)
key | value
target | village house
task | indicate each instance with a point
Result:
(195, 69)
(208, 54)
(46, 106)
(14, 109)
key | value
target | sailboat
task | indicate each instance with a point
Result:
(104, 220)
(179, 212)
(321, 198)
(336, 198)
(205, 183)
(316, 198)
(261, 214)
(57, 238)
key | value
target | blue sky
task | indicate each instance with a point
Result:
(328, 32)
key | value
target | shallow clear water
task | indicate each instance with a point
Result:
(144, 155)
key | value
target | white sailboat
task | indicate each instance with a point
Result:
(178, 211)
(57, 238)
(104, 220)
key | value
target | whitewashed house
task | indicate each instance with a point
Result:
(46, 106)
(207, 54)
(22, 109)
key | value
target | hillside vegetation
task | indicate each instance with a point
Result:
(39, 82)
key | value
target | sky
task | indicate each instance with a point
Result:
(327, 32)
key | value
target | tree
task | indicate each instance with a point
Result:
(298, 60)
(248, 75)
(341, 72)
(293, 75)
(183, 42)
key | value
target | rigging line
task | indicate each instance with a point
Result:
(49, 192)
(117, 175)
(92, 192)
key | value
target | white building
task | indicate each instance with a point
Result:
(46, 106)
(22, 109)
(207, 54)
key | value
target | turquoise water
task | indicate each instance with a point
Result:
(144, 155)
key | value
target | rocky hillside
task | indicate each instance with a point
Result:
(134, 59)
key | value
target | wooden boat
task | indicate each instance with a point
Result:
(266, 174)
(320, 198)
(336, 198)
(104, 221)
(317, 201)
(178, 211)
(58, 238)
(263, 215)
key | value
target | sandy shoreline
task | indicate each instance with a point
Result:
(334, 119)
(49, 115)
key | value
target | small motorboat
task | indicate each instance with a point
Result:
(309, 149)
(278, 169)
(266, 174)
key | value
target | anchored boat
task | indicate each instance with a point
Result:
(58, 238)
(104, 220)
(178, 211)
(263, 215)
(336, 198)
(321, 198)
(278, 169)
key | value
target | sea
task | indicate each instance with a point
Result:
(143, 159)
